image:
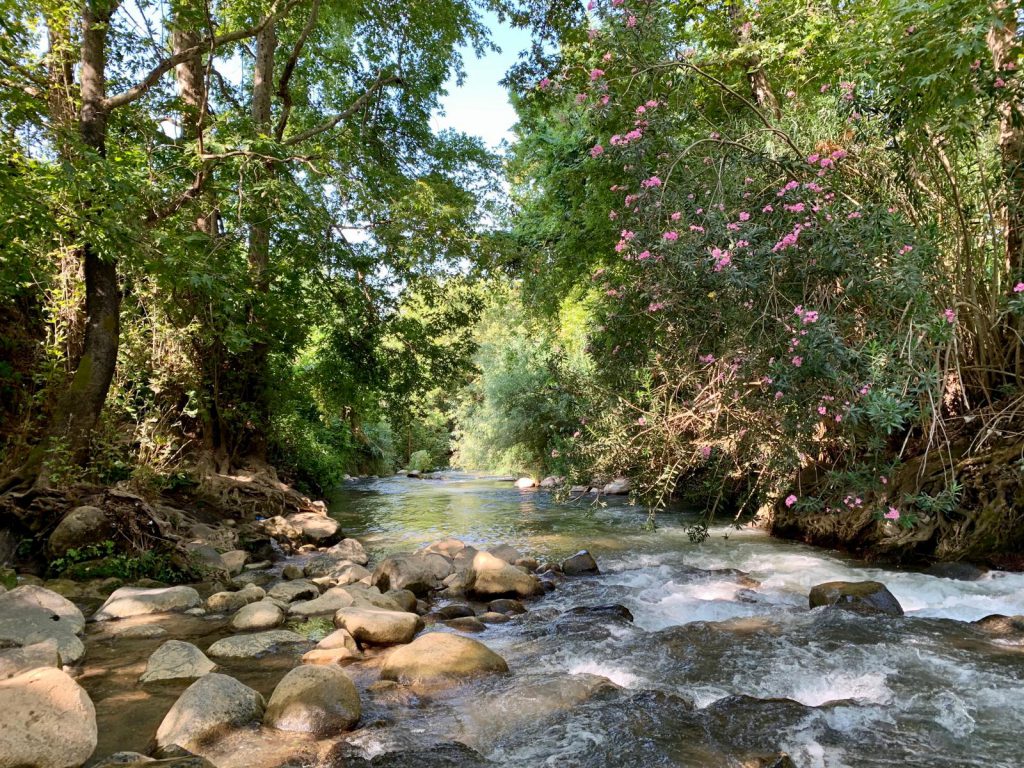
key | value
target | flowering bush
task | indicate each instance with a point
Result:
(761, 304)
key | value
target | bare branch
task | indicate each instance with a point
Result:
(355, 106)
(283, 91)
(153, 77)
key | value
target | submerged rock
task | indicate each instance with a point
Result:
(30, 614)
(377, 626)
(466, 624)
(866, 596)
(176, 660)
(440, 658)
(320, 700)
(1008, 630)
(955, 570)
(207, 710)
(255, 645)
(46, 721)
(134, 601)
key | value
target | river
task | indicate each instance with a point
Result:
(714, 669)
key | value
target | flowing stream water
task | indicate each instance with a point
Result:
(715, 669)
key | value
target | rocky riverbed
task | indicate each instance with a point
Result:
(506, 646)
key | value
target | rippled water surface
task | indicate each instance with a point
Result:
(715, 669)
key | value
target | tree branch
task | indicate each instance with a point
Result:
(354, 107)
(283, 91)
(142, 87)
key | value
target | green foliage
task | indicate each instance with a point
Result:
(104, 560)
(315, 628)
(420, 461)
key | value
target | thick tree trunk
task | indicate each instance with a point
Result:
(79, 409)
(255, 369)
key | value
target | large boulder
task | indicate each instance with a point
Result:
(210, 708)
(524, 483)
(419, 573)
(136, 601)
(80, 527)
(581, 562)
(265, 614)
(495, 577)
(256, 645)
(316, 529)
(439, 658)
(320, 700)
(31, 614)
(14, 661)
(377, 626)
(46, 721)
(351, 550)
(862, 596)
(176, 660)
(229, 602)
(506, 552)
(447, 547)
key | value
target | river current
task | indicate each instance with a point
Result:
(723, 662)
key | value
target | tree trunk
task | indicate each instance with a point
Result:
(79, 409)
(760, 87)
(1002, 39)
(255, 369)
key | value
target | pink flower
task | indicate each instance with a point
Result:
(671, 236)
(605, 99)
(641, 421)
(676, 216)
(791, 500)
(709, 358)
(999, 83)
(631, 22)
(950, 315)
(705, 451)
(654, 181)
(595, 74)
(596, 150)
(744, 216)
(1018, 288)
(822, 410)
(797, 361)
(722, 259)
(544, 83)
(892, 514)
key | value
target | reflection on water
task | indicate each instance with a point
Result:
(864, 691)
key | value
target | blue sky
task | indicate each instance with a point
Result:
(481, 107)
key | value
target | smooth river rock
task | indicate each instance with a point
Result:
(135, 601)
(419, 573)
(581, 562)
(315, 529)
(331, 601)
(46, 721)
(377, 626)
(80, 527)
(495, 577)
(255, 645)
(208, 709)
(265, 614)
(863, 596)
(30, 614)
(229, 602)
(290, 591)
(14, 661)
(176, 660)
(439, 658)
(320, 700)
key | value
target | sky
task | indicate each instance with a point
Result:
(481, 107)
